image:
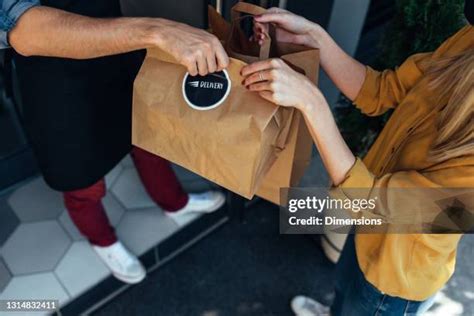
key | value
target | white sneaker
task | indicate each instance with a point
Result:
(198, 204)
(305, 306)
(124, 265)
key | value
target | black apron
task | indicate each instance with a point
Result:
(77, 113)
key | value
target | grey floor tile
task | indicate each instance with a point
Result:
(127, 161)
(5, 275)
(35, 286)
(113, 208)
(142, 229)
(113, 175)
(69, 227)
(8, 220)
(35, 201)
(129, 190)
(80, 269)
(35, 247)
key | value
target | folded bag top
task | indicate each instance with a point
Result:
(237, 44)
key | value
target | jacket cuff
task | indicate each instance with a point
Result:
(368, 89)
(358, 183)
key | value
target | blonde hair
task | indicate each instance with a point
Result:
(453, 78)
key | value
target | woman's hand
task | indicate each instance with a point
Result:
(347, 73)
(276, 82)
(290, 28)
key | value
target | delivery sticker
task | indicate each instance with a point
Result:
(206, 92)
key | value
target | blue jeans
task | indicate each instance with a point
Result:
(355, 296)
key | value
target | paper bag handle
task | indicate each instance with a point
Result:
(247, 8)
(251, 9)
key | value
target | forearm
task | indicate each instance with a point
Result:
(347, 73)
(335, 154)
(47, 31)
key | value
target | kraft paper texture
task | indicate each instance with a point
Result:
(247, 145)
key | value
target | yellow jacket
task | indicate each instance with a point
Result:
(411, 266)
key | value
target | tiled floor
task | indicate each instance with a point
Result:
(43, 255)
(35, 247)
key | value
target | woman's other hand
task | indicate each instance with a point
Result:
(276, 82)
(347, 73)
(290, 28)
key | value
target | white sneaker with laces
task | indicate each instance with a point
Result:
(124, 265)
(305, 306)
(198, 204)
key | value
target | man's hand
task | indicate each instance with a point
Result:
(199, 51)
(45, 31)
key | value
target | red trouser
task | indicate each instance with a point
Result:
(85, 206)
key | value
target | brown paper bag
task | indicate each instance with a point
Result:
(296, 156)
(233, 144)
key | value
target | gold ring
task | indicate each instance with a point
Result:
(261, 76)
